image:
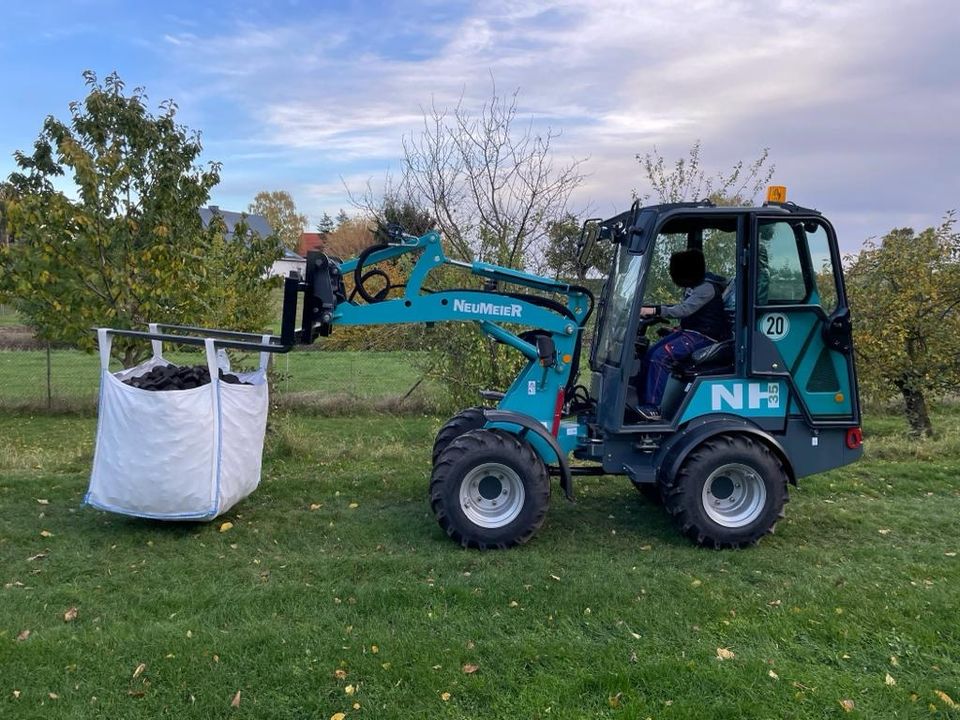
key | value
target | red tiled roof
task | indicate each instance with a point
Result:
(310, 241)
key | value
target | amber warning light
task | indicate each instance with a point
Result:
(776, 193)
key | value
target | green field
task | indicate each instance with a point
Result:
(335, 587)
(8, 316)
(338, 380)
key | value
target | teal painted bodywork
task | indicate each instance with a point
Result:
(760, 398)
(801, 350)
(535, 390)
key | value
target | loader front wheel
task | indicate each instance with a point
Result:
(728, 493)
(489, 490)
(463, 422)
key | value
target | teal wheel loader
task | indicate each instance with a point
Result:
(740, 419)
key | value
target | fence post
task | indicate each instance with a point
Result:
(49, 389)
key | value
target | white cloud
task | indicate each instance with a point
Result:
(617, 78)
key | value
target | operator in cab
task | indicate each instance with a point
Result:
(703, 321)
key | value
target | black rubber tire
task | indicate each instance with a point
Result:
(682, 495)
(651, 493)
(489, 446)
(463, 422)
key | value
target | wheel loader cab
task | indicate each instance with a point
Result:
(778, 271)
(640, 277)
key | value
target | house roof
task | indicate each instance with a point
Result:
(255, 223)
(310, 241)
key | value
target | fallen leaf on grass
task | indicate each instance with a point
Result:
(696, 583)
(16, 694)
(338, 716)
(315, 506)
(350, 690)
(137, 693)
(514, 603)
(38, 556)
(374, 649)
(725, 654)
(888, 680)
(470, 668)
(353, 506)
(46, 534)
(947, 700)
(53, 696)
(42, 501)
(70, 615)
(445, 696)
(772, 674)
(235, 703)
(884, 531)
(950, 554)
(224, 527)
(614, 700)
(23, 635)
(555, 577)
(340, 674)
(138, 671)
(356, 706)
(646, 547)
(847, 705)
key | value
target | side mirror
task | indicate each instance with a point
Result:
(588, 240)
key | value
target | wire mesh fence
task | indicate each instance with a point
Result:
(38, 376)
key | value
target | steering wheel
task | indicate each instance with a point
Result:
(649, 322)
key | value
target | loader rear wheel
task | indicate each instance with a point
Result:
(463, 422)
(489, 490)
(728, 493)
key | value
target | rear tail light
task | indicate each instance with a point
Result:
(854, 438)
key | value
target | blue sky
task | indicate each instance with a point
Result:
(859, 102)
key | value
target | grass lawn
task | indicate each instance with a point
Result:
(340, 378)
(335, 591)
(9, 316)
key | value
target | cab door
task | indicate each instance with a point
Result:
(799, 316)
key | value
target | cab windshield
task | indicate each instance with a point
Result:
(616, 315)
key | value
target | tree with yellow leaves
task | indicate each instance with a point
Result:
(905, 298)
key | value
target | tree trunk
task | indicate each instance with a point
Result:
(915, 405)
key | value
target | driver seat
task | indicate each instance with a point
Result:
(716, 359)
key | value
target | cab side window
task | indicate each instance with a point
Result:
(794, 266)
(824, 274)
(780, 279)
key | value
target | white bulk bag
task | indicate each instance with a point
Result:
(176, 454)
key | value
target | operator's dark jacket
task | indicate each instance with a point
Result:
(701, 309)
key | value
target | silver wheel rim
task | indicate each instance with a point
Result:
(491, 495)
(734, 495)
